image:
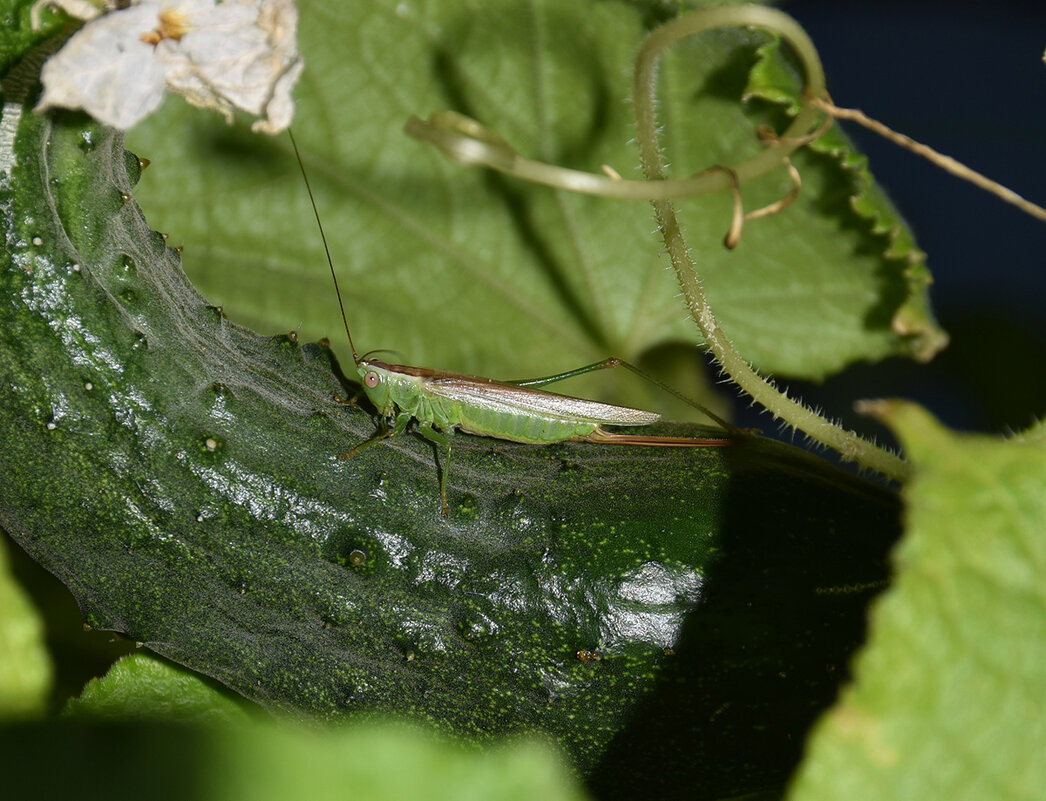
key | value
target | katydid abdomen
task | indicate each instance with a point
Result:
(536, 429)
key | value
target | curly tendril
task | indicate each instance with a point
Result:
(467, 141)
(471, 143)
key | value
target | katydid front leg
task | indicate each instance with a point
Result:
(441, 440)
(402, 419)
(426, 430)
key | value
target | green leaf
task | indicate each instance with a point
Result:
(142, 686)
(383, 762)
(463, 270)
(902, 278)
(25, 665)
(948, 694)
(181, 475)
(368, 762)
(1035, 435)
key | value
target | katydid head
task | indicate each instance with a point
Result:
(374, 376)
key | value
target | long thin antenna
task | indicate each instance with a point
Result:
(326, 249)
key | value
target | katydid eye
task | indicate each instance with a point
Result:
(371, 380)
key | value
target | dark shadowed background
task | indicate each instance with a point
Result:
(966, 78)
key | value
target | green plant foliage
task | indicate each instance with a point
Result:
(948, 694)
(141, 686)
(672, 621)
(465, 270)
(25, 666)
(240, 756)
(181, 475)
(217, 752)
(382, 762)
(900, 259)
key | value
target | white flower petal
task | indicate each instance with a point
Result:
(107, 70)
(233, 55)
(245, 57)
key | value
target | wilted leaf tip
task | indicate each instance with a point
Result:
(237, 54)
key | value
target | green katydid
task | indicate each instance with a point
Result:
(443, 402)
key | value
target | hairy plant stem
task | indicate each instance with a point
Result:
(847, 443)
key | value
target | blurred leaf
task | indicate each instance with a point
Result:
(379, 762)
(1035, 435)
(949, 694)
(270, 760)
(25, 665)
(144, 686)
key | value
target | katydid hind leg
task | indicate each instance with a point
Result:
(440, 440)
(605, 364)
(653, 440)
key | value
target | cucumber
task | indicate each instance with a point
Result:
(675, 619)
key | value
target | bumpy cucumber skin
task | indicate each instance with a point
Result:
(674, 618)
